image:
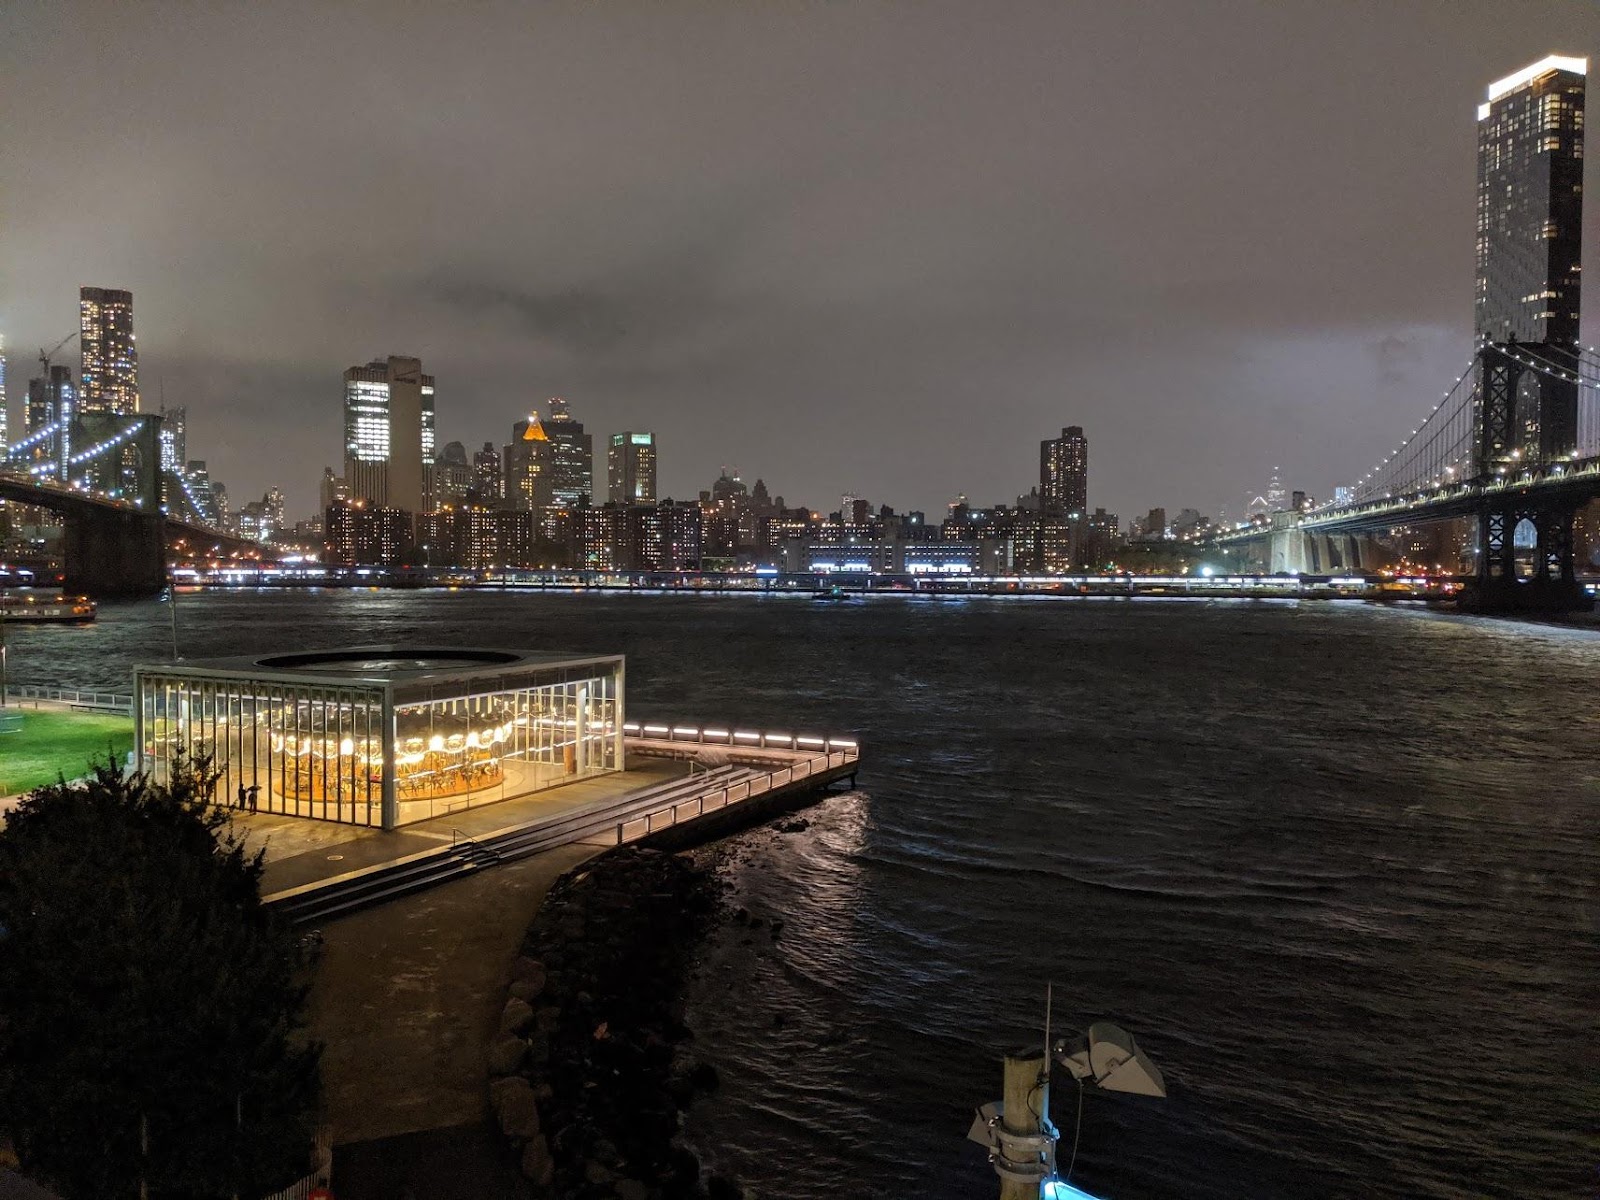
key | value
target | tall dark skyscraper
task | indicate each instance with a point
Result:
(109, 380)
(1530, 234)
(571, 456)
(48, 399)
(486, 472)
(631, 468)
(1064, 474)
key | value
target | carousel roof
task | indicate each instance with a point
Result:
(400, 668)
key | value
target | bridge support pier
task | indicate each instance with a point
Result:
(114, 555)
(1551, 587)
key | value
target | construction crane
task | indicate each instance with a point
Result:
(46, 355)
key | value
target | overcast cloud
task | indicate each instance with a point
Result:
(869, 247)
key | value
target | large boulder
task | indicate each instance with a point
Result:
(516, 1017)
(506, 1055)
(527, 978)
(514, 1107)
(537, 1164)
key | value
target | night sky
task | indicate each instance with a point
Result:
(880, 248)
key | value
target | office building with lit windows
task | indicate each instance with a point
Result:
(1530, 235)
(486, 478)
(109, 379)
(49, 400)
(1064, 474)
(631, 468)
(529, 466)
(388, 433)
(571, 456)
(174, 439)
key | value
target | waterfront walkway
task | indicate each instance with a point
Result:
(309, 863)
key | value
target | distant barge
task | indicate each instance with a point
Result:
(29, 608)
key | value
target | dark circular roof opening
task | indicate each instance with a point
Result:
(388, 662)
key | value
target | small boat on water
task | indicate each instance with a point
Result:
(834, 594)
(27, 607)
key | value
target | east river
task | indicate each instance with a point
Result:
(1336, 866)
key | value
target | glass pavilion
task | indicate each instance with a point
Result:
(383, 735)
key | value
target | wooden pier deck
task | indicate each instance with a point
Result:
(683, 784)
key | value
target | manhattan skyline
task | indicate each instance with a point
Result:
(881, 250)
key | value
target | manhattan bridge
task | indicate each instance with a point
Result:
(1512, 448)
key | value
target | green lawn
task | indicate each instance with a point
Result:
(51, 743)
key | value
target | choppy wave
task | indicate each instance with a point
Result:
(1336, 866)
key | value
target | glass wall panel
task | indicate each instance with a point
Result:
(317, 750)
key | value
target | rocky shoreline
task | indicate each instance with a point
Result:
(591, 1070)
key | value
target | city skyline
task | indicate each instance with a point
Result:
(896, 325)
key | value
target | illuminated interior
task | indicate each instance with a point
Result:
(384, 737)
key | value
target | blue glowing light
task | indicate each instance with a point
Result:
(1055, 1189)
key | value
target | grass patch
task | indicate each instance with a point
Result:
(52, 742)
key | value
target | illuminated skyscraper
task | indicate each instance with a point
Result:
(528, 463)
(4, 420)
(631, 468)
(486, 473)
(174, 439)
(49, 399)
(1064, 474)
(388, 432)
(109, 380)
(1530, 235)
(571, 456)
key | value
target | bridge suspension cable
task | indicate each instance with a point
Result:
(1443, 448)
(1436, 452)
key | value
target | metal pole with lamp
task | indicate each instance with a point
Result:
(172, 598)
(1017, 1131)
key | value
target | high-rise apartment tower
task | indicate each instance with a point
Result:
(109, 380)
(1064, 474)
(1530, 236)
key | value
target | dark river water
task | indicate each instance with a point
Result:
(1336, 866)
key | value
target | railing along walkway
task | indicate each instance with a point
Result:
(75, 697)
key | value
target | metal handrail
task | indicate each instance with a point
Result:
(719, 798)
(748, 739)
(87, 699)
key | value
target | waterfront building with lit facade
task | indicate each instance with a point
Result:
(1530, 235)
(389, 433)
(383, 736)
(631, 468)
(108, 380)
(358, 533)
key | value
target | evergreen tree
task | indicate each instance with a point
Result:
(150, 1005)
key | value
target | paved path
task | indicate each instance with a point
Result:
(409, 995)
